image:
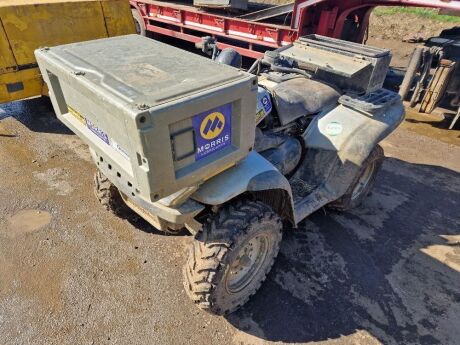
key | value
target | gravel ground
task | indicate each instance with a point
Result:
(71, 273)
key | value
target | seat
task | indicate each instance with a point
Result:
(298, 97)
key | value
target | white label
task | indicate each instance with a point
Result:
(119, 148)
(334, 128)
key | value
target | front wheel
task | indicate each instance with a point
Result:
(363, 182)
(232, 256)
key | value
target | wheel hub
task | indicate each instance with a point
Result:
(247, 263)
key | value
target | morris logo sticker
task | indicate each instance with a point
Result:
(212, 125)
(213, 130)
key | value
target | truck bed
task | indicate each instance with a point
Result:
(263, 27)
(180, 19)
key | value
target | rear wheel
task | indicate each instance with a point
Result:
(363, 182)
(108, 195)
(232, 256)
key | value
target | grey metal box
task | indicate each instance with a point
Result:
(157, 118)
(233, 4)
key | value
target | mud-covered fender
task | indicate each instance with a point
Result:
(351, 132)
(338, 142)
(253, 174)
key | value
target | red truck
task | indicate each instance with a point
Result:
(263, 27)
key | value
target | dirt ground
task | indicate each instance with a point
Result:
(389, 31)
(385, 273)
(71, 273)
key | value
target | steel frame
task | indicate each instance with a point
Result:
(252, 38)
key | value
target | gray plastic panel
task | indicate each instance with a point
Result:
(142, 70)
(157, 118)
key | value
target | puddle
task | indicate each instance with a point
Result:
(27, 221)
(431, 126)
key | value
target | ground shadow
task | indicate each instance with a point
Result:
(36, 114)
(367, 270)
(441, 124)
(141, 224)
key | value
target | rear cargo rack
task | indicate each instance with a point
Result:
(372, 102)
(350, 66)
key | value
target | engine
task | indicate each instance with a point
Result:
(286, 104)
(303, 80)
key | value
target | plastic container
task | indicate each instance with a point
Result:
(157, 118)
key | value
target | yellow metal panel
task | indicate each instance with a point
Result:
(7, 61)
(8, 3)
(32, 26)
(20, 84)
(118, 18)
(26, 25)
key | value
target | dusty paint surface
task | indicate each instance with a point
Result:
(385, 273)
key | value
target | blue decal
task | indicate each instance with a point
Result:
(99, 132)
(266, 103)
(213, 130)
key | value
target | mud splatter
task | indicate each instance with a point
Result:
(308, 251)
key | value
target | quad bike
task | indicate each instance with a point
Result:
(230, 155)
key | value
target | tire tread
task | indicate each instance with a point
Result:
(211, 245)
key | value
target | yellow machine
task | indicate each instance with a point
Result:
(26, 25)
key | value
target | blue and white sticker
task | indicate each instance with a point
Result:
(99, 132)
(264, 104)
(213, 130)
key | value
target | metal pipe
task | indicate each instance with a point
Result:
(277, 68)
(412, 68)
(254, 66)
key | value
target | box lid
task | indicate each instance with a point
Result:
(141, 70)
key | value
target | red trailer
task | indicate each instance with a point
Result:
(264, 27)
